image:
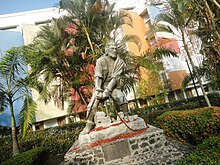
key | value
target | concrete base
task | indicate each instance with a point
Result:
(118, 144)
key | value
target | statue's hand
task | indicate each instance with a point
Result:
(106, 94)
(99, 93)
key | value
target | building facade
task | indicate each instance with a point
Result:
(28, 24)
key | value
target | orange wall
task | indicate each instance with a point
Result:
(139, 29)
(176, 78)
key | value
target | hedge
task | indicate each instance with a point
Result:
(34, 156)
(150, 113)
(57, 140)
(184, 104)
(191, 126)
(207, 153)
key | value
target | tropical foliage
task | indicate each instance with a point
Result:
(151, 87)
(14, 87)
(65, 50)
(31, 157)
(180, 17)
(56, 140)
(208, 17)
(192, 126)
(205, 153)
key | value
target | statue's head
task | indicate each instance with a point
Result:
(110, 49)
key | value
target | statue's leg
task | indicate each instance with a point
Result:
(124, 109)
(89, 122)
(119, 98)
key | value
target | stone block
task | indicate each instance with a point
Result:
(116, 144)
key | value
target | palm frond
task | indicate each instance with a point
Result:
(146, 62)
(186, 81)
(26, 116)
(3, 99)
(200, 71)
(11, 64)
(161, 52)
(158, 27)
(131, 38)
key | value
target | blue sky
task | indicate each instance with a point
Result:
(13, 6)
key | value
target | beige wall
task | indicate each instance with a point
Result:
(49, 110)
(29, 32)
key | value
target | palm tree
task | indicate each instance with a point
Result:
(97, 22)
(68, 47)
(13, 88)
(180, 16)
(208, 17)
(152, 61)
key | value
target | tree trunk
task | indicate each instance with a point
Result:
(194, 68)
(13, 130)
(211, 20)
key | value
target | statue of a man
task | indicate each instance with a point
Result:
(108, 71)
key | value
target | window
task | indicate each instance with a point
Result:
(142, 102)
(42, 22)
(189, 93)
(39, 126)
(9, 28)
(179, 95)
(145, 16)
(61, 121)
(171, 96)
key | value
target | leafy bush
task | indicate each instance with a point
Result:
(31, 157)
(191, 126)
(56, 139)
(5, 130)
(149, 117)
(207, 153)
(6, 152)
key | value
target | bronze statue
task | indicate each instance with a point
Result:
(108, 71)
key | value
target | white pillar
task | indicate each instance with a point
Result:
(33, 128)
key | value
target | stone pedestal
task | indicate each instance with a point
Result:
(122, 143)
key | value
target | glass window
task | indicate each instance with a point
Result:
(189, 93)
(171, 96)
(179, 94)
(39, 126)
(61, 121)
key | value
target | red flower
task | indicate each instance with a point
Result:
(69, 52)
(91, 69)
(72, 28)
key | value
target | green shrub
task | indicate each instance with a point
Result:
(5, 131)
(5, 152)
(191, 126)
(184, 104)
(150, 113)
(34, 156)
(57, 139)
(207, 153)
(149, 117)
